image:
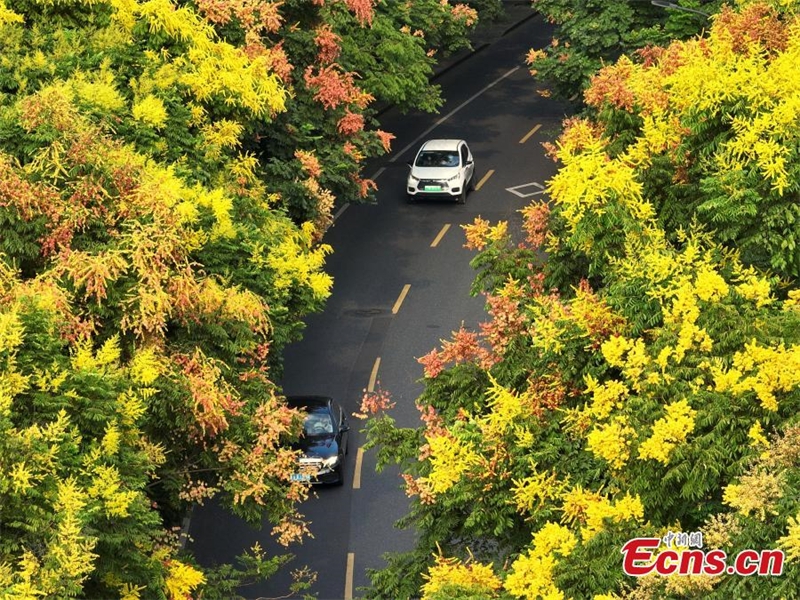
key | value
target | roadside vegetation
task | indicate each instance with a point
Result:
(167, 171)
(639, 371)
(592, 33)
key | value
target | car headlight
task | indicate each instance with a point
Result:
(413, 179)
(330, 462)
(453, 178)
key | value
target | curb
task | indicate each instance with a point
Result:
(518, 23)
(466, 56)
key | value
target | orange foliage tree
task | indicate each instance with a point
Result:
(166, 173)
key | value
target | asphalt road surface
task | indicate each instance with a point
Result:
(402, 280)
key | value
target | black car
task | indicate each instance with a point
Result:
(323, 441)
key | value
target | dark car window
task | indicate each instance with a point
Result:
(318, 422)
(463, 154)
(437, 158)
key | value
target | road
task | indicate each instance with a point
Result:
(402, 280)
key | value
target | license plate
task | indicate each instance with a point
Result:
(301, 477)
(433, 188)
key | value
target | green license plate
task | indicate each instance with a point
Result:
(433, 188)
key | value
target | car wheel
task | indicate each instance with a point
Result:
(462, 197)
(409, 198)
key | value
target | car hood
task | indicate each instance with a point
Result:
(434, 172)
(318, 446)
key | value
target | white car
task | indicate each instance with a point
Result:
(441, 169)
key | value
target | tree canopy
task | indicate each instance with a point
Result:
(591, 33)
(638, 372)
(167, 171)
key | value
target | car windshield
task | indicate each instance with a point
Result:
(318, 423)
(437, 158)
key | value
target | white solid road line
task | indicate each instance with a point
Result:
(450, 114)
(339, 212)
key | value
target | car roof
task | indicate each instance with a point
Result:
(441, 145)
(308, 401)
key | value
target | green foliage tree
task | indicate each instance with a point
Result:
(75, 514)
(166, 173)
(591, 33)
(700, 153)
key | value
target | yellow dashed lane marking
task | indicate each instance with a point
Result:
(530, 133)
(439, 237)
(485, 178)
(400, 298)
(357, 475)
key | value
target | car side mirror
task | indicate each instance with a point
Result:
(469, 162)
(409, 165)
(344, 427)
